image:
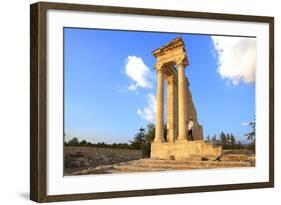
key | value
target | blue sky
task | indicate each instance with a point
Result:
(110, 83)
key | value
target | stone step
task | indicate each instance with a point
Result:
(133, 168)
(190, 164)
(163, 161)
(150, 165)
(234, 157)
(153, 167)
(162, 164)
(191, 160)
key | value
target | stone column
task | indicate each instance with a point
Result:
(182, 101)
(172, 108)
(159, 132)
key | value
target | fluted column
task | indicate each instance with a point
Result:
(182, 101)
(172, 108)
(159, 132)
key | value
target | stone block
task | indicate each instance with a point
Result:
(183, 149)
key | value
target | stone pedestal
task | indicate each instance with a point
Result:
(184, 150)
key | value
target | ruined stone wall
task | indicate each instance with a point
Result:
(191, 112)
(107, 152)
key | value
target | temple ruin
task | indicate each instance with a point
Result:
(171, 61)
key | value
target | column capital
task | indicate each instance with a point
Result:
(159, 67)
(181, 64)
(171, 79)
(181, 61)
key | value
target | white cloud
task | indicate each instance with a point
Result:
(138, 72)
(236, 58)
(149, 111)
(132, 87)
(245, 123)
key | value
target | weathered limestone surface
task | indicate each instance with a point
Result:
(159, 133)
(172, 109)
(191, 112)
(151, 165)
(182, 102)
(78, 158)
(171, 61)
(183, 149)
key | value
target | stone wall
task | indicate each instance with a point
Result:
(191, 112)
(108, 152)
(184, 149)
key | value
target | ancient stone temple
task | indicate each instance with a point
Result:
(171, 61)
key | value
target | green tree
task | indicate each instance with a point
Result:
(228, 141)
(239, 145)
(223, 140)
(149, 137)
(101, 144)
(208, 140)
(83, 143)
(139, 139)
(252, 136)
(73, 142)
(89, 144)
(214, 140)
(232, 141)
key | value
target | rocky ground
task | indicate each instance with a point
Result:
(83, 164)
(77, 159)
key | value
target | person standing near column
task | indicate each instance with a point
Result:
(190, 129)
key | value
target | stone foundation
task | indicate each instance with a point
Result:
(183, 149)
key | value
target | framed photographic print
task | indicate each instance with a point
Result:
(135, 102)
